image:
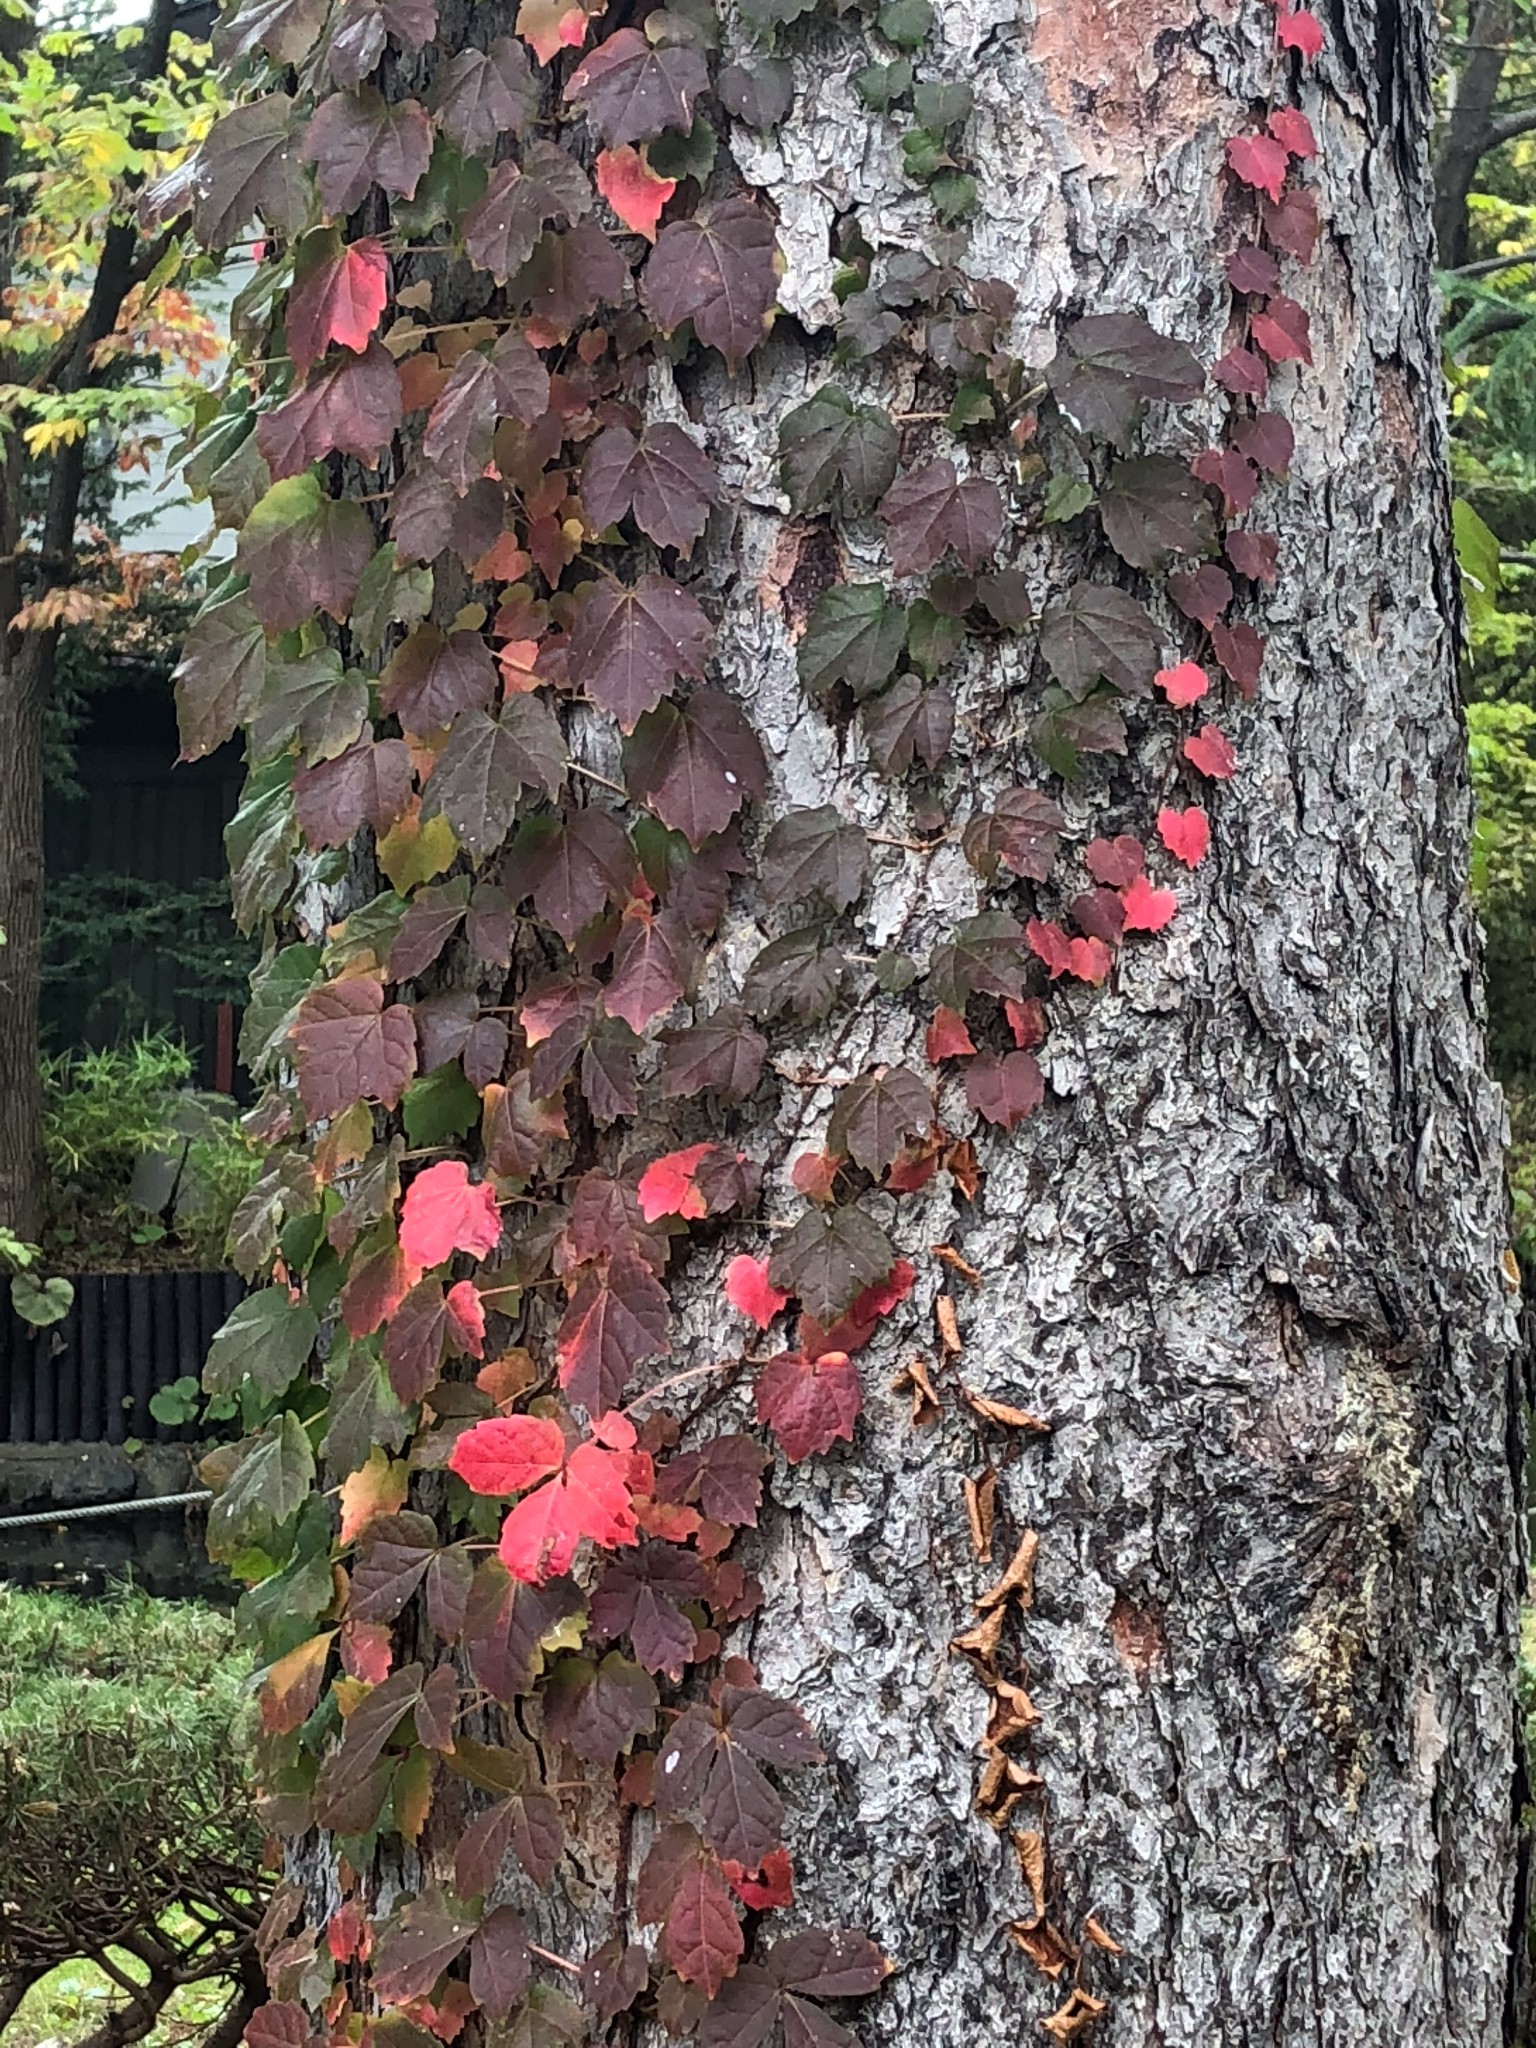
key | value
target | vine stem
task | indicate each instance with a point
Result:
(546, 1955)
(680, 1379)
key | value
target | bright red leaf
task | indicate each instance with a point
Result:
(1186, 684)
(591, 1497)
(1290, 126)
(508, 1453)
(1186, 834)
(1259, 161)
(947, 1037)
(748, 1290)
(633, 189)
(772, 1885)
(1147, 909)
(1026, 1021)
(466, 1318)
(809, 1403)
(341, 299)
(1283, 331)
(1210, 752)
(1301, 31)
(445, 1211)
(1086, 959)
(667, 1186)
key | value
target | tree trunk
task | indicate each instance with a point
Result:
(31, 565)
(1250, 1257)
(1251, 1261)
(1469, 131)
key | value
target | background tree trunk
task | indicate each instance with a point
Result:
(1250, 1257)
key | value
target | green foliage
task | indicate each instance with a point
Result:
(124, 1749)
(98, 923)
(104, 1115)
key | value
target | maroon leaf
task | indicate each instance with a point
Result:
(1099, 631)
(432, 676)
(605, 1218)
(614, 1976)
(1240, 651)
(505, 1623)
(499, 1963)
(1110, 362)
(633, 91)
(427, 515)
(357, 43)
(359, 139)
(415, 1945)
(1266, 440)
(1152, 508)
(1023, 833)
(1252, 269)
(643, 1597)
(488, 762)
(908, 721)
(1231, 474)
(629, 644)
(247, 166)
(392, 1558)
(370, 783)
(664, 478)
(1293, 224)
(929, 511)
(747, 2006)
(815, 853)
(351, 1049)
(718, 270)
(1283, 330)
(219, 677)
(696, 764)
(654, 964)
(723, 1053)
(1242, 372)
(571, 272)
(1101, 915)
(724, 1476)
(352, 408)
(704, 1941)
(339, 294)
(619, 1315)
(809, 1404)
(286, 29)
(1202, 594)
(349, 1769)
(479, 96)
(1004, 1090)
(598, 1710)
(304, 552)
(435, 914)
(414, 1339)
(875, 1115)
(1254, 554)
(280, 2023)
(571, 866)
(503, 225)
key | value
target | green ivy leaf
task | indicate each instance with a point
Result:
(881, 85)
(855, 637)
(440, 1106)
(905, 23)
(266, 1339)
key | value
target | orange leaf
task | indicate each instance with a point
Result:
(633, 189)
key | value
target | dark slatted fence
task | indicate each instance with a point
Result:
(89, 1378)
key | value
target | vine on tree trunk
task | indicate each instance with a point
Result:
(489, 1498)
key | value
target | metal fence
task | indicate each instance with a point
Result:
(89, 1378)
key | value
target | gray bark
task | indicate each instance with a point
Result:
(1249, 1258)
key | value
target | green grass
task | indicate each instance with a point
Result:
(71, 2002)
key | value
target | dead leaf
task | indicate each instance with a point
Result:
(981, 1641)
(980, 1511)
(1101, 1938)
(1080, 2011)
(925, 1400)
(957, 1264)
(949, 1326)
(1013, 1713)
(1018, 1582)
(1029, 1847)
(1046, 1946)
(1004, 1782)
(506, 1377)
(1001, 1413)
(964, 1171)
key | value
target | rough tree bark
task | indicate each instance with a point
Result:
(1250, 1258)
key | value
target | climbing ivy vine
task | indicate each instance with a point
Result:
(487, 1509)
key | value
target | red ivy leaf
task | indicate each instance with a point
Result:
(703, 1937)
(1202, 594)
(1005, 1090)
(633, 189)
(1230, 473)
(1267, 440)
(590, 1498)
(508, 1453)
(1254, 554)
(809, 1403)
(947, 1037)
(1210, 751)
(762, 1889)
(1294, 225)
(351, 1049)
(629, 645)
(1252, 269)
(664, 478)
(618, 1315)
(1291, 127)
(1114, 862)
(1183, 685)
(1086, 959)
(696, 764)
(632, 90)
(1300, 31)
(749, 1290)
(1283, 331)
(718, 269)
(1186, 834)
(370, 782)
(1242, 372)
(357, 140)
(1240, 650)
(930, 510)
(1259, 161)
(1147, 909)
(445, 1211)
